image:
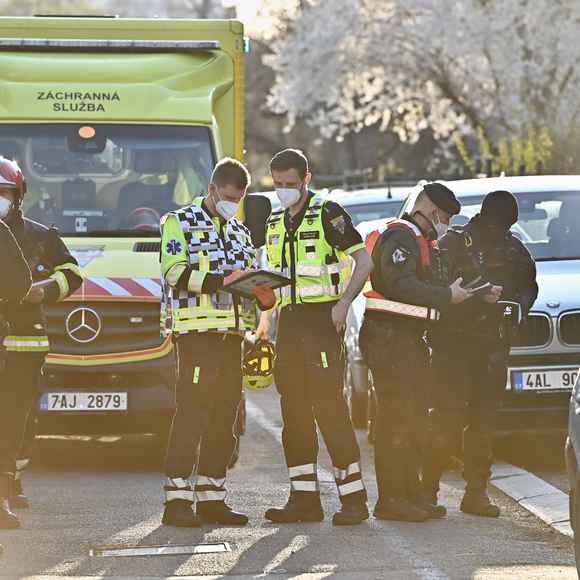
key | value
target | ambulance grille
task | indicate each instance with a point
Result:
(147, 247)
(535, 331)
(570, 328)
(124, 327)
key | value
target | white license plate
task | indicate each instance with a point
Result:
(83, 402)
(544, 379)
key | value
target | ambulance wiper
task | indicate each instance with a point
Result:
(129, 233)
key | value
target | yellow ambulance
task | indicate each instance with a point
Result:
(115, 122)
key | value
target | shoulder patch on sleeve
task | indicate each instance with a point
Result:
(173, 247)
(338, 223)
(400, 255)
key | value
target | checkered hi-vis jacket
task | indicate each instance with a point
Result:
(206, 251)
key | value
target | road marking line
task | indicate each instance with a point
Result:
(535, 495)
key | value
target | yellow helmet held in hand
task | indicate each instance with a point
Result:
(258, 364)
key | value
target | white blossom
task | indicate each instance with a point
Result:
(409, 65)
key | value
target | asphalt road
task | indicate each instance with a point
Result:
(88, 494)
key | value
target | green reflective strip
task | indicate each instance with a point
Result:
(195, 282)
(324, 360)
(63, 286)
(196, 375)
(70, 266)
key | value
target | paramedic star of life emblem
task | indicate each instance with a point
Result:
(173, 247)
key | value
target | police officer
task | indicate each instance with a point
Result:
(310, 240)
(408, 289)
(202, 245)
(471, 345)
(56, 275)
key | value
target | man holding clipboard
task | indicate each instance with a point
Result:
(311, 241)
(205, 248)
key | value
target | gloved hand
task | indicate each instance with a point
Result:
(265, 296)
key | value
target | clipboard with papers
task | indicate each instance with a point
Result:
(244, 285)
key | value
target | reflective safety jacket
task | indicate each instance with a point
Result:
(48, 258)
(377, 302)
(318, 271)
(195, 247)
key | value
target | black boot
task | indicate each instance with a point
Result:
(300, 507)
(427, 501)
(477, 502)
(18, 499)
(8, 519)
(179, 513)
(353, 511)
(400, 510)
(219, 512)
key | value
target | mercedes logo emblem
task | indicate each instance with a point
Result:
(83, 325)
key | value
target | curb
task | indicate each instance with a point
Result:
(537, 496)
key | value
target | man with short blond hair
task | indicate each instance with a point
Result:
(201, 245)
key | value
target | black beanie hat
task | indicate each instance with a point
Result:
(500, 208)
(442, 197)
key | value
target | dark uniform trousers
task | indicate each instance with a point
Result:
(208, 393)
(398, 358)
(469, 378)
(19, 392)
(309, 377)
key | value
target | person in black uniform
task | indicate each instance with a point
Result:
(14, 286)
(55, 275)
(410, 286)
(312, 240)
(471, 345)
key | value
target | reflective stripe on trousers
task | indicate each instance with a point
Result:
(303, 477)
(349, 480)
(210, 488)
(178, 488)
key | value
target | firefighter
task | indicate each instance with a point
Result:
(14, 286)
(202, 245)
(408, 288)
(311, 240)
(471, 346)
(56, 275)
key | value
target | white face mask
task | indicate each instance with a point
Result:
(440, 227)
(227, 209)
(5, 207)
(288, 196)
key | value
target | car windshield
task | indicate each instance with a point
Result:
(548, 225)
(108, 180)
(365, 212)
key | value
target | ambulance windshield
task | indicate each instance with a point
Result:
(108, 180)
